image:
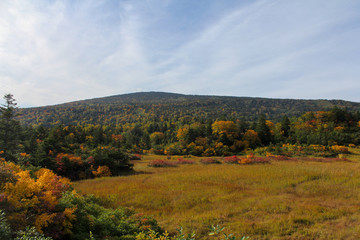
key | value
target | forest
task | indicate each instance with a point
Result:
(43, 149)
(159, 106)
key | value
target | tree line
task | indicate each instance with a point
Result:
(81, 151)
(36, 162)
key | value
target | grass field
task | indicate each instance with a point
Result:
(280, 200)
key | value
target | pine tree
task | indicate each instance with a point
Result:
(285, 126)
(10, 129)
(263, 131)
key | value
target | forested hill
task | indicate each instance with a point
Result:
(155, 106)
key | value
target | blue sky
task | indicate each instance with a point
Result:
(59, 51)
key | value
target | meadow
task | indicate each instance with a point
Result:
(292, 199)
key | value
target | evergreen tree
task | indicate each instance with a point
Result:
(9, 128)
(285, 126)
(263, 130)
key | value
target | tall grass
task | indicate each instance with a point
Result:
(281, 200)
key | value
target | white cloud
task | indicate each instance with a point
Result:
(54, 52)
(254, 49)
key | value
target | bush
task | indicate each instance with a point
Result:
(114, 158)
(5, 230)
(252, 159)
(33, 201)
(210, 161)
(281, 157)
(30, 233)
(135, 156)
(339, 149)
(231, 160)
(120, 223)
(185, 161)
(102, 171)
(161, 163)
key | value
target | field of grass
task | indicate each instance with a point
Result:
(280, 200)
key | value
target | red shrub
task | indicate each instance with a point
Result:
(185, 161)
(254, 160)
(231, 160)
(281, 158)
(161, 163)
(261, 160)
(210, 161)
(135, 156)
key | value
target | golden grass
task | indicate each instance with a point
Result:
(281, 200)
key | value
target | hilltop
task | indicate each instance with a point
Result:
(136, 107)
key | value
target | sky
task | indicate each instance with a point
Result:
(54, 51)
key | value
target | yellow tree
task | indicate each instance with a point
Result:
(33, 201)
(251, 138)
(227, 127)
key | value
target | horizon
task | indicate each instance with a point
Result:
(54, 52)
(196, 95)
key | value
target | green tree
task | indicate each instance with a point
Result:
(285, 126)
(9, 128)
(263, 130)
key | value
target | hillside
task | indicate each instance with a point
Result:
(142, 106)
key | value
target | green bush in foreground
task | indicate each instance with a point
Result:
(215, 231)
(29, 233)
(5, 230)
(104, 223)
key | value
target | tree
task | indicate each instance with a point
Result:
(157, 138)
(9, 128)
(251, 138)
(228, 128)
(263, 131)
(285, 126)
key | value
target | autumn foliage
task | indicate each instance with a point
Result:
(46, 201)
(102, 171)
(34, 200)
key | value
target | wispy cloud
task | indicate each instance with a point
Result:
(57, 51)
(257, 48)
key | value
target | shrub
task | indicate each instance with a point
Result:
(68, 165)
(210, 161)
(231, 160)
(339, 149)
(5, 230)
(30, 233)
(173, 149)
(114, 158)
(261, 160)
(157, 150)
(32, 200)
(135, 156)
(153, 235)
(102, 171)
(120, 223)
(43, 206)
(185, 161)
(216, 232)
(161, 163)
(281, 157)
(251, 159)
(209, 152)
(245, 161)
(6, 175)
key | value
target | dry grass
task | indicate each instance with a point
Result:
(281, 200)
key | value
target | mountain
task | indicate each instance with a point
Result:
(143, 106)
